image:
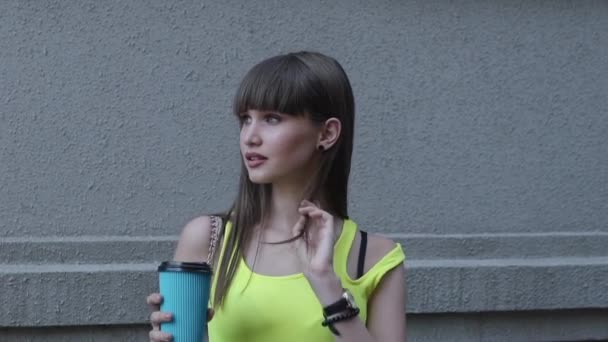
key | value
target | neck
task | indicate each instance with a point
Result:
(284, 203)
(283, 214)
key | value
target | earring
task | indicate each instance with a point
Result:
(321, 148)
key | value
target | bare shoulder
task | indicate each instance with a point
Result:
(377, 247)
(193, 244)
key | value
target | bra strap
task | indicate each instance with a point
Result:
(362, 249)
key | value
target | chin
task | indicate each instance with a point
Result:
(259, 181)
(260, 178)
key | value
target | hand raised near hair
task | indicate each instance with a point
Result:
(316, 249)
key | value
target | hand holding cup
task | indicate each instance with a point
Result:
(185, 288)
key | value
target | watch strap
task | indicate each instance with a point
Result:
(345, 303)
(340, 305)
(342, 316)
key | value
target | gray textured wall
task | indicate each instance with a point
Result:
(481, 144)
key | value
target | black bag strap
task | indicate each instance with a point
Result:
(362, 249)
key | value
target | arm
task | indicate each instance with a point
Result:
(386, 315)
(193, 244)
(386, 308)
(386, 319)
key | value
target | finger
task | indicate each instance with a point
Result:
(306, 203)
(313, 212)
(210, 313)
(316, 203)
(318, 214)
(158, 317)
(310, 205)
(299, 226)
(154, 299)
(160, 336)
(306, 210)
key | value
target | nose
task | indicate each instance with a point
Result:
(250, 134)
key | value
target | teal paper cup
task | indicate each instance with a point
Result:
(185, 289)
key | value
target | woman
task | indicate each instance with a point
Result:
(300, 269)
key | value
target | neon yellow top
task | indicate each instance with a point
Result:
(285, 308)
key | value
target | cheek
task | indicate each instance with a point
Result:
(242, 140)
(297, 147)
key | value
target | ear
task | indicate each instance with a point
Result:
(330, 132)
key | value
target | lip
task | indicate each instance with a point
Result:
(255, 159)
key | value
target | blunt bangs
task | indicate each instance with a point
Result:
(282, 83)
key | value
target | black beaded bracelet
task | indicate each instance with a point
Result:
(329, 321)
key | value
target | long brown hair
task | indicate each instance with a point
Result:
(302, 84)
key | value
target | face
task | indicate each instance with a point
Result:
(277, 147)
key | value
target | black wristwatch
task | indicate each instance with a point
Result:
(344, 308)
(344, 304)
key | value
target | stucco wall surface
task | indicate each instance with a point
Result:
(472, 116)
(481, 145)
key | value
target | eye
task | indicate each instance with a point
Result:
(273, 119)
(244, 118)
